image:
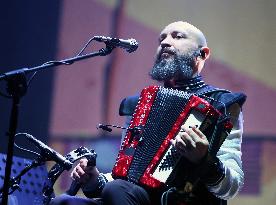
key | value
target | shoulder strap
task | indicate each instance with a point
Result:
(128, 105)
(221, 98)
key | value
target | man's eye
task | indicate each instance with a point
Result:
(179, 36)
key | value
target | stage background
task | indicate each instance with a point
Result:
(63, 106)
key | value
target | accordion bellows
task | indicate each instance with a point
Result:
(146, 156)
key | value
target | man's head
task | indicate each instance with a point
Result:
(181, 53)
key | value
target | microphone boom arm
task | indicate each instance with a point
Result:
(17, 88)
(68, 61)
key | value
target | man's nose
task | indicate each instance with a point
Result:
(167, 42)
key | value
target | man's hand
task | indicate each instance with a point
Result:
(85, 174)
(191, 143)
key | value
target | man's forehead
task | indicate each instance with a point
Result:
(177, 26)
(186, 28)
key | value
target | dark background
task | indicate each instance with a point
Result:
(29, 31)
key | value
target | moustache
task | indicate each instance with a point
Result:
(166, 50)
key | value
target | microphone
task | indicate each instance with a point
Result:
(49, 152)
(104, 127)
(129, 45)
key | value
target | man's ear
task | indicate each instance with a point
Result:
(204, 53)
(200, 60)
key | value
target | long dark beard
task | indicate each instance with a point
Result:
(179, 67)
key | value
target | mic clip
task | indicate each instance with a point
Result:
(134, 131)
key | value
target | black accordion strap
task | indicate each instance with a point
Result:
(128, 105)
(220, 98)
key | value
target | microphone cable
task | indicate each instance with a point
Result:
(24, 149)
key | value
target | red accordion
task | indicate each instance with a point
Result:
(147, 157)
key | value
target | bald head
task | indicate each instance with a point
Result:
(190, 31)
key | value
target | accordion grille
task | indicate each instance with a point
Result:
(165, 110)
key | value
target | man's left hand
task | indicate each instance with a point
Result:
(191, 143)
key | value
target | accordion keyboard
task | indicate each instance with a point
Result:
(171, 157)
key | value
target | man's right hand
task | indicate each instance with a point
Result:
(84, 174)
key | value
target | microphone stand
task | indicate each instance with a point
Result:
(17, 88)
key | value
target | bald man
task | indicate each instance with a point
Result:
(180, 57)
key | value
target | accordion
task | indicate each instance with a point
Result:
(146, 156)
